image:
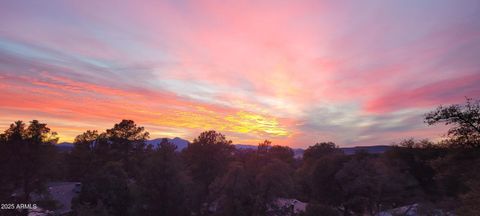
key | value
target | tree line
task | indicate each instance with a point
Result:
(122, 175)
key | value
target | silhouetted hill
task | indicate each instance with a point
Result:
(297, 151)
(370, 149)
(179, 142)
(378, 149)
(64, 146)
(182, 143)
(244, 146)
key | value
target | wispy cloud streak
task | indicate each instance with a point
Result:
(295, 72)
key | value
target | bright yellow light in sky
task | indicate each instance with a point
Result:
(239, 122)
(294, 72)
(245, 122)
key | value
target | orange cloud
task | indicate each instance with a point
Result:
(64, 101)
(295, 72)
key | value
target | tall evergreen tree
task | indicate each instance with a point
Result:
(28, 154)
(207, 158)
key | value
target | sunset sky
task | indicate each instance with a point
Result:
(294, 72)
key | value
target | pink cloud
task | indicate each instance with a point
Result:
(207, 61)
(446, 91)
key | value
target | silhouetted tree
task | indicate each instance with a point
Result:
(263, 147)
(455, 173)
(206, 158)
(127, 144)
(273, 177)
(316, 177)
(7, 181)
(274, 180)
(282, 153)
(109, 185)
(109, 165)
(415, 158)
(81, 159)
(321, 149)
(27, 153)
(370, 186)
(121, 175)
(267, 152)
(162, 183)
(234, 192)
(254, 181)
(322, 186)
(465, 121)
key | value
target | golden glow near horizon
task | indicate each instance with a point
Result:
(239, 122)
(245, 122)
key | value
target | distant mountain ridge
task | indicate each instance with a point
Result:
(182, 143)
(377, 149)
(179, 142)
